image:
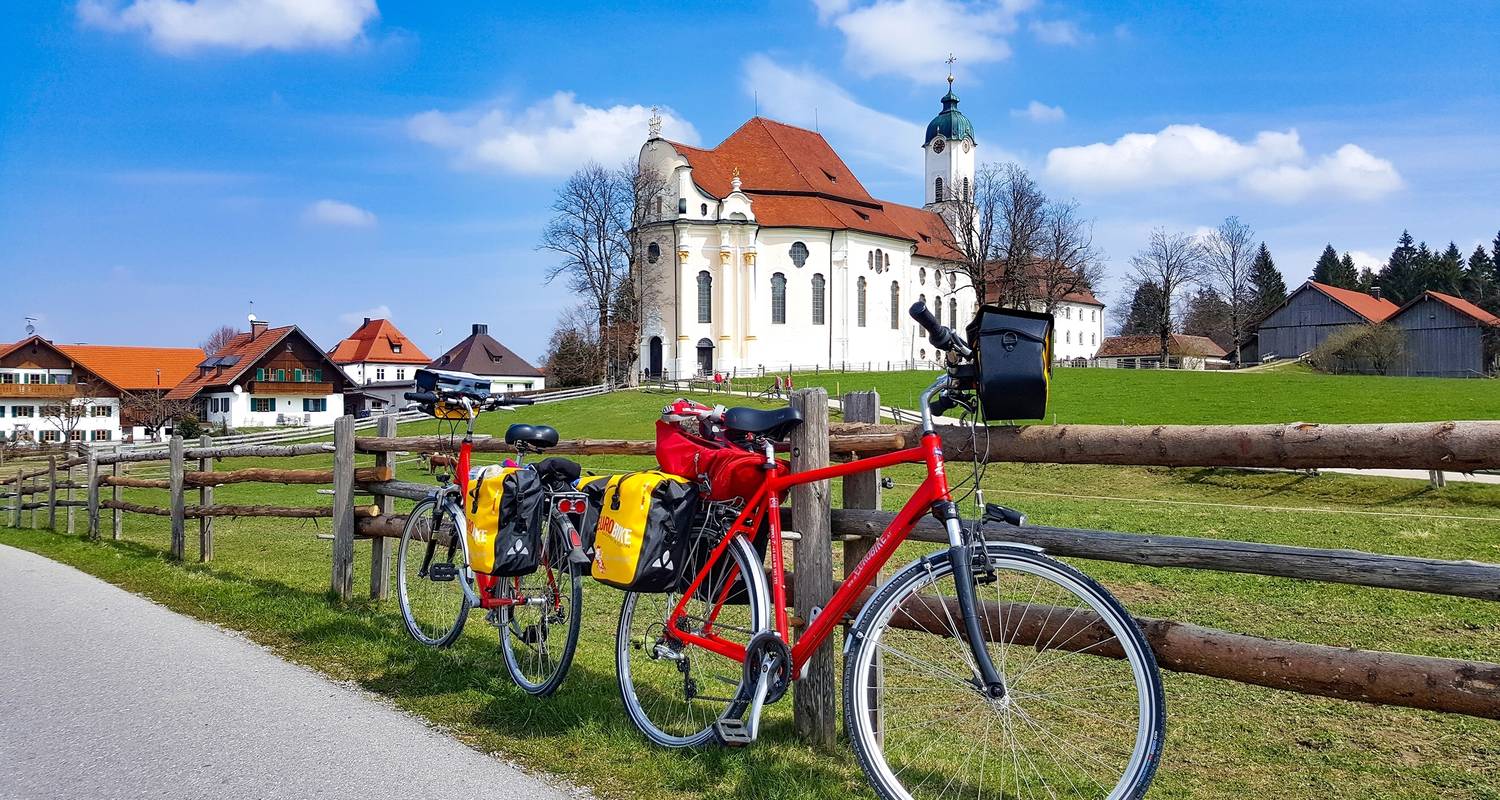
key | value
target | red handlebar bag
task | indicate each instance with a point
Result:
(731, 472)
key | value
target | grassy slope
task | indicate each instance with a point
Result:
(1155, 397)
(1225, 740)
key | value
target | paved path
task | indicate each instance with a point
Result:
(106, 695)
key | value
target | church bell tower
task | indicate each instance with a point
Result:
(949, 153)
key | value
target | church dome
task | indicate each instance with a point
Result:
(950, 122)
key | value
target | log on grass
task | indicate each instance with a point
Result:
(390, 527)
(1449, 446)
(1457, 578)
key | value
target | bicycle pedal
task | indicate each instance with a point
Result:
(442, 572)
(733, 733)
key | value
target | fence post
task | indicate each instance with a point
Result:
(72, 471)
(93, 494)
(380, 552)
(179, 503)
(16, 506)
(862, 490)
(343, 507)
(114, 494)
(815, 706)
(205, 502)
(51, 493)
(35, 490)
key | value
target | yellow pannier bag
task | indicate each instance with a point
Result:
(504, 513)
(643, 531)
(482, 507)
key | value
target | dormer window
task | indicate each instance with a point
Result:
(832, 178)
(396, 348)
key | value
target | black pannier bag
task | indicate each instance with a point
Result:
(1012, 362)
(518, 541)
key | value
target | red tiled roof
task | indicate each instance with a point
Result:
(1178, 344)
(795, 179)
(1460, 305)
(1372, 309)
(375, 340)
(1083, 295)
(136, 368)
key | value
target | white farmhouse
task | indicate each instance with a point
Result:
(766, 252)
(265, 378)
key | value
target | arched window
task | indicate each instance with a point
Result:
(966, 190)
(817, 298)
(778, 299)
(1068, 337)
(887, 260)
(953, 313)
(937, 190)
(879, 260)
(653, 252)
(870, 260)
(705, 297)
(1068, 312)
(859, 301)
(799, 254)
(952, 280)
(922, 276)
(895, 305)
(1093, 338)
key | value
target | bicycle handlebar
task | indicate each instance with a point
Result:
(425, 398)
(941, 336)
(493, 401)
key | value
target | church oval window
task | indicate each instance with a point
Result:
(778, 299)
(818, 287)
(859, 301)
(922, 276)
(703, 209)
(952, 281)
(705, 297)
(653, 252)
(799, 254)
(937, 189)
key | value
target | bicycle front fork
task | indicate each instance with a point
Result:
(960, 556)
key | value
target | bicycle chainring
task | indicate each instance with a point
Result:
(767, 643)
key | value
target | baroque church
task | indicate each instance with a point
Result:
(766, 253)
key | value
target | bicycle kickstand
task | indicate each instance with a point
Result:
(743, 731)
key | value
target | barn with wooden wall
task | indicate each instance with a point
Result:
(1312, 313)
(1446, 336)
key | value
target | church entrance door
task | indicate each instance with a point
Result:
(705, 357)
(653, 357)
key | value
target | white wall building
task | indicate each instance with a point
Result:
(266, 378)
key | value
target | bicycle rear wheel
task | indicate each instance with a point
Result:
(429, 575)
(540, 637)
(1083, 716)
(674, 692)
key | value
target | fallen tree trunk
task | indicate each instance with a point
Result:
(1458, 578)
(251, 475)
(1369, 676)
(225, 451)
(1449, 446)
(438, 444)
(194, 512)
(390, 527)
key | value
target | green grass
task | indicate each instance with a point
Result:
(1158, 397)
(1225, 740)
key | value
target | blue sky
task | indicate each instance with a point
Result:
(164, 162)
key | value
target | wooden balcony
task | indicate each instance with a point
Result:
(38, 391)
(289, 388)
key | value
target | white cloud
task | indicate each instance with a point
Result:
(910, 38)
(1273, 165)
(552, 137)
(356, 318)
(1037, 111)
(1363, 259)
(793, 95)
(1057, 31)
(333, 212)
(182, 26)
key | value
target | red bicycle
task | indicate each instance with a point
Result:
(981, 669)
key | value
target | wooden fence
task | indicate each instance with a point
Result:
(1439, 684)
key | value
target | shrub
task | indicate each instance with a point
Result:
(1359, 348)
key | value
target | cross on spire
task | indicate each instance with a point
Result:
(653, 125)
(949, 62)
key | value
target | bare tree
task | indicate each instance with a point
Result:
(1020, 233)
(219, 338)
(973, 219)
(574, 355)
(66, 415)
(1228, 253)
(153, 411)
(1067, 261)
(1168, 264)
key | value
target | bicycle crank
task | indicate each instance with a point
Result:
(768, 667)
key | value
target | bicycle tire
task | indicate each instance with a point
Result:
(1025, 712)
(727, 676)
(554, 561)
(410, 583)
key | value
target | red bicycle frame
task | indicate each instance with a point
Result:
(766, 504)
(486, 583)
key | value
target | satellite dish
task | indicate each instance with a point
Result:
(252, 317)
(30, 329)
(239, 389)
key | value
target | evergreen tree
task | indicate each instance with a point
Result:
(1444, 272)
(1267, 289)
(1145, 310)
(1398, 278)
(1348, 276)
(1208, 315)
(1326, 271)
(1495, 259)
(1366, 280)
(1480, 284)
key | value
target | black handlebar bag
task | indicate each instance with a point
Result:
(1012, 362)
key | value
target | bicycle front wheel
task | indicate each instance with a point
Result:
(429, 575)
(1083, 715)
(539, 634)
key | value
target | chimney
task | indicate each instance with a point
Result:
(257, 327)
(480, 327)
(367, 320)
(1375, 292)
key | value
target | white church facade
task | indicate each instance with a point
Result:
(766, 253)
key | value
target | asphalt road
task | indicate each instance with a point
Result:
(106, 695)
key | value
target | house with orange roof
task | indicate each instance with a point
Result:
(265, 378)
(50, 393)
(766, 250)
(1447, 336)
(1312, 313)
(1144, 352)
(381, 363)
